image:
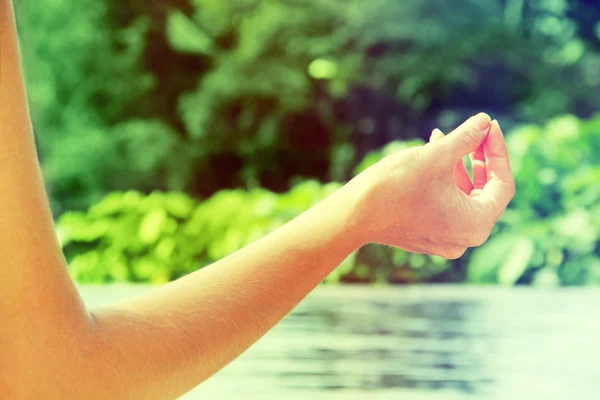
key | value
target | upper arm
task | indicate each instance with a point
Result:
(40, 307)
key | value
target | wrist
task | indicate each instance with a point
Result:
(378, 205)
(348, 207)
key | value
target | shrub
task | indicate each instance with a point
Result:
(162, 236)
(549, 235)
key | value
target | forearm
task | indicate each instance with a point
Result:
(170, 340)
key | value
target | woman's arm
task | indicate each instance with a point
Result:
(41, 312)
(163, 343)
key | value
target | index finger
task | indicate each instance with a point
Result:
(500, 186)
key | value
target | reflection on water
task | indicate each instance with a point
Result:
(431, 342)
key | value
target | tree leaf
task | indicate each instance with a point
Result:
(486, 259)
(519, 257)
(186, 36)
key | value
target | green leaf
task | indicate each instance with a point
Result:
(151, 226)
(323, 69)
(186, 36)
(78, 227)
(417, 260)
(546, 277)
(518, 260)
(496, 253)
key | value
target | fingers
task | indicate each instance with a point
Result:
(500, 186)
(479, 170)
(461, 176)
(468, 137)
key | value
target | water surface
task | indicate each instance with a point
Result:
(419, 342)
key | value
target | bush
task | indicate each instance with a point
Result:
(203, 95)
(549, 235)
(162, 236)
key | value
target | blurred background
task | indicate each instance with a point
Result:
(172, 133)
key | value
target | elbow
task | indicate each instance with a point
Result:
(56, 362)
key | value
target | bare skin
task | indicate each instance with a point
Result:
(162, 344)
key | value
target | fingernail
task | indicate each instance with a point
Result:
(495, 121)
(482, 120)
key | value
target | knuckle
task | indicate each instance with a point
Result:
(414, 154)
(386, 163)
(474, 235)
(456, 253)
(437, 158)
(512, 189)
(470, 137)
(412, 157)
(479, 238)
(386, 166)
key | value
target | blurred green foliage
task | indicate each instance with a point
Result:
(550, 234)
(128, 236)
(201, 96)
(83, 77)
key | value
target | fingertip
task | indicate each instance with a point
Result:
(498, 161)
(495, 144)
(495, 125)
(469, 135)
(482, 120)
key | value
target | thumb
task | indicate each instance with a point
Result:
(468, 137)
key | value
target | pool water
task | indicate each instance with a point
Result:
(417, 342)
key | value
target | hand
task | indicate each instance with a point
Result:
(422, 199)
